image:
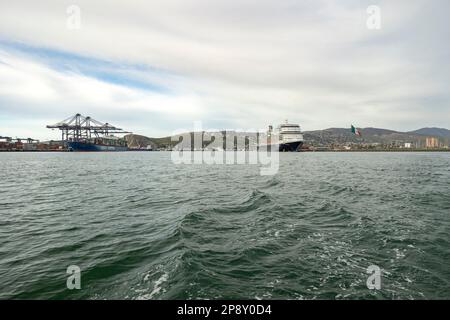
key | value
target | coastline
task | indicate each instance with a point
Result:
(303, 151)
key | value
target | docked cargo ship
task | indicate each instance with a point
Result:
(81, 133)
(286, 138)
(98, 144)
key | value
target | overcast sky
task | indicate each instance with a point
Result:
(155, 66)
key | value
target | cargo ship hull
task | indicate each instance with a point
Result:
(91, 147)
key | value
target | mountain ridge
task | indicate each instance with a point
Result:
(331, 136)
(372, 135)
(433, 131)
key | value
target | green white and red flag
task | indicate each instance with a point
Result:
(356, 131)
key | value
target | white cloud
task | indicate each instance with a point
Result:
(27, 86)
(245, 63)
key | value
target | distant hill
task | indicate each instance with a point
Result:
(378, 132)
(436, 132)
(374, 135)
(137, 141)
(327, 137)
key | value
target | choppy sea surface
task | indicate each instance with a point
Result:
(141, 227)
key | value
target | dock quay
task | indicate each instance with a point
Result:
(9, 144)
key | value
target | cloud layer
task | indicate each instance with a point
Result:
(155, 66)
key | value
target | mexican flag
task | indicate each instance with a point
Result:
(356, 131)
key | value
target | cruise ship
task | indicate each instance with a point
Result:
(287, 137)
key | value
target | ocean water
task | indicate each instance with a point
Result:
(141, 227)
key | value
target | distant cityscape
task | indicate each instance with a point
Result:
(374, 139)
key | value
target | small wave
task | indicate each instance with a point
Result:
(272, 182)
(332, 215)
(256, 199)
(157, 287)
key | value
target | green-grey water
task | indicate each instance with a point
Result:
(141, 227)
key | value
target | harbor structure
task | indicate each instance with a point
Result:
(80, 133)
(25, 144)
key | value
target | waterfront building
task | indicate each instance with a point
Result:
(432, 142)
